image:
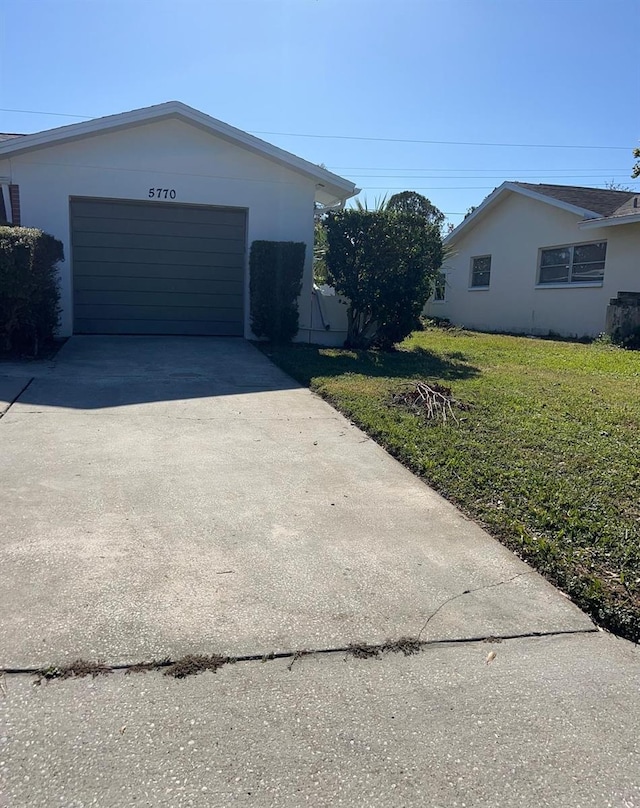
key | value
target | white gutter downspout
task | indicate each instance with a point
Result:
(318, 296)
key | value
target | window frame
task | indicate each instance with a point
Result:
(568, 284)
(473, 287)
(5, 201)
(441, 283)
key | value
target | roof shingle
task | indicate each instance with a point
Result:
(598, 200)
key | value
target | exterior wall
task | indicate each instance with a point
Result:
(202, 169)
(513, 233)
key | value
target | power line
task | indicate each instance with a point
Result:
(372, 139)
(446, 187)
(39, 112)
(430, 188)
(441, 142)
(504, 170)
(606, 175)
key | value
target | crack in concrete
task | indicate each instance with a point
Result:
(470, 592)
(192, 664)
(13, 401)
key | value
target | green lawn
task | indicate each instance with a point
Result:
(547, 458)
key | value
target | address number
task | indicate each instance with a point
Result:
(162, 193)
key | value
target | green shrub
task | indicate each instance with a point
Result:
(29, 294)
(320, 273)
(386, 263)
(276, 280)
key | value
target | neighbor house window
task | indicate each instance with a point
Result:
(579, 263)
(439, 289)
(480, 271)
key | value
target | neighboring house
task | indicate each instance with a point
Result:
(157, 209)
(541, 259)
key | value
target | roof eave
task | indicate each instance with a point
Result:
(558, 203)
(331, 197)
(513, 187)
(176, 109)
(610, 221)
(472, 218)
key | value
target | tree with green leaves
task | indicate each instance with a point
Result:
(320, 274)
(635, 171)
(385, 262)
(413, 202)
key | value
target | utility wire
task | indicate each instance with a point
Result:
(603, 175)
(600, 186)
(372, 139)
(39, 112)
(443, 142)
(548, 171)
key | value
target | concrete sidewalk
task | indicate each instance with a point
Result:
(163, 497)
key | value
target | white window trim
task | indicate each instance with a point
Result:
(444, 298)
(570, 284)
(471, 287)
(4, 190)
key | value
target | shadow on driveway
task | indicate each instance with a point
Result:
(104, 372)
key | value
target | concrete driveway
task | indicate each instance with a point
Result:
(172, 496)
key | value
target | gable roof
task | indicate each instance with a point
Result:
(627, 213)
(595, 205)
(598, 200)
(330, 188)
(8, 136)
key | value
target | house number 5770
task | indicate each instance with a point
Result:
(162, 193)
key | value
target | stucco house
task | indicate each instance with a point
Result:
(156, 209)
(541, 259)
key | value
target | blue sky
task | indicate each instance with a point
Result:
(555, 72)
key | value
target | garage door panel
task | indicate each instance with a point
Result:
(153, 227)
(86, 269)
(154, 211)
(207, 328)
(145, 268)
(155, 298)
(141, 242)
(168, 312)
(206, 286)
(98, 255)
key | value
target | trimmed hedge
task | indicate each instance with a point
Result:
(275, 285)
(29, 293)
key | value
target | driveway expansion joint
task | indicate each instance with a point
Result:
(15, 398)
(192, 664)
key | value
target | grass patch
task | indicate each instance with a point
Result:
(546, 456)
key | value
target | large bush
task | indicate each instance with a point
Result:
(29, 294)
(386, 263)
(276, 280)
